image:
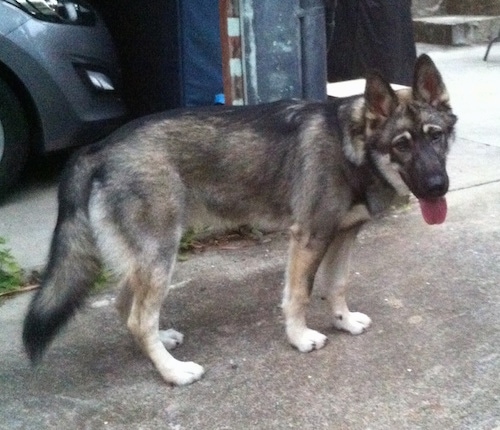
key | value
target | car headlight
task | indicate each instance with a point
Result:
(76, 12)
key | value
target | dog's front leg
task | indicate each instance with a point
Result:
(333, 276)
(304, 258)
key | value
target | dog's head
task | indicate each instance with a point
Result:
(407, 135)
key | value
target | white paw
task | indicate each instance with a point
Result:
(171, 338)
(353, 322)
(306, 340)
(185, 372)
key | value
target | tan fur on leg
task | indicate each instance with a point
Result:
(332, 280)
(302, 265)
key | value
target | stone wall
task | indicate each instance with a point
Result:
(473, 7)
(422, 8)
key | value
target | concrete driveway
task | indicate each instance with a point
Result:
(431, 360)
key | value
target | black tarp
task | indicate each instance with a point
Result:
(169, 51)
(146, 39)
(371, 34)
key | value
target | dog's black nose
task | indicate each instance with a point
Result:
(437, 185)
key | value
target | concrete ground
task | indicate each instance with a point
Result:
(431, 359)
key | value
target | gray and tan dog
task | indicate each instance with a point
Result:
(320, 169)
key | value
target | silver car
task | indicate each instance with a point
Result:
(58, 80)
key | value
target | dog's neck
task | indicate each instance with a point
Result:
(370, 187)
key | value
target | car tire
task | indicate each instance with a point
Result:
(14, 138)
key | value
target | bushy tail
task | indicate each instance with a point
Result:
(71, 271)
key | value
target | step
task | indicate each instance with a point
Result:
(456, 29)
(353, 87)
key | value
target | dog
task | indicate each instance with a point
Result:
(321, 169)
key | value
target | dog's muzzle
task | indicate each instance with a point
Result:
(435, 186)
(430, 191)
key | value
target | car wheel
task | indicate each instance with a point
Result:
(14, 138)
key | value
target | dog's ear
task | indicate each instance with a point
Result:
(380, 98)
(428, 85)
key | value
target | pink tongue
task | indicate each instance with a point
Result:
(433, 210)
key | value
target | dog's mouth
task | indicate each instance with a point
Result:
(433, 210)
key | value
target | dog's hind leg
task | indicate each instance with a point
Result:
(137, 224)
(304, 258)
(143, 260)
(333, 276)
(170, 338)
(149, 285)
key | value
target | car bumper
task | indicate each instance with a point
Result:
(71, 108)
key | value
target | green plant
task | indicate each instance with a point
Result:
(190, 239)
(103, 281)
(187, 240)
(11, 274)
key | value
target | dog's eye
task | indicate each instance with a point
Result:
(436, 135)
(402, 144)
